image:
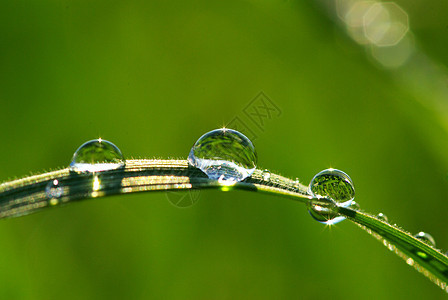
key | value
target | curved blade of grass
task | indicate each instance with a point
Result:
(423, 257)
(27, 195)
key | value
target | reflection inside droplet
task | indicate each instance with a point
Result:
(334, 185)
(224, 155)
(96, 156)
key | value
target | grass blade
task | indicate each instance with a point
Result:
(27, 195)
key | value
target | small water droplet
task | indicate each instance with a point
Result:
(391, 247)
(54, 191)
(410, 261)
(323, 211)
(426, 238)
(266, 175)
(333, 184)
(355, 205)
(224, 154)
(96, 156)
(382, 217)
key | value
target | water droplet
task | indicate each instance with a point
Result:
(355, 205)
(224, 154)
(333, 184)
(54, 191)
(426, 238)
(266, 175)
(323, 211)
(382, 217)
(410, 261)
(96, 156)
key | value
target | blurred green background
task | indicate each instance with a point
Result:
(152, 76)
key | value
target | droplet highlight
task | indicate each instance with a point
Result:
(426, 238)
(54, 191)
(224, 154)
(97, 156)
(266, 175)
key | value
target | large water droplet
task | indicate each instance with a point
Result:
(333, 184)
(54, 191)
(324, 211)
(96, 156)
(224, 154)
(426, 238)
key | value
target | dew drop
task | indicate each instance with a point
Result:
(410, 261)
(426, 238)
(382, 217)
(266, 175)
(224, 154)
(96, 156)
(333, 184)
(54, 191)
(355, 205)
(323, 211)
